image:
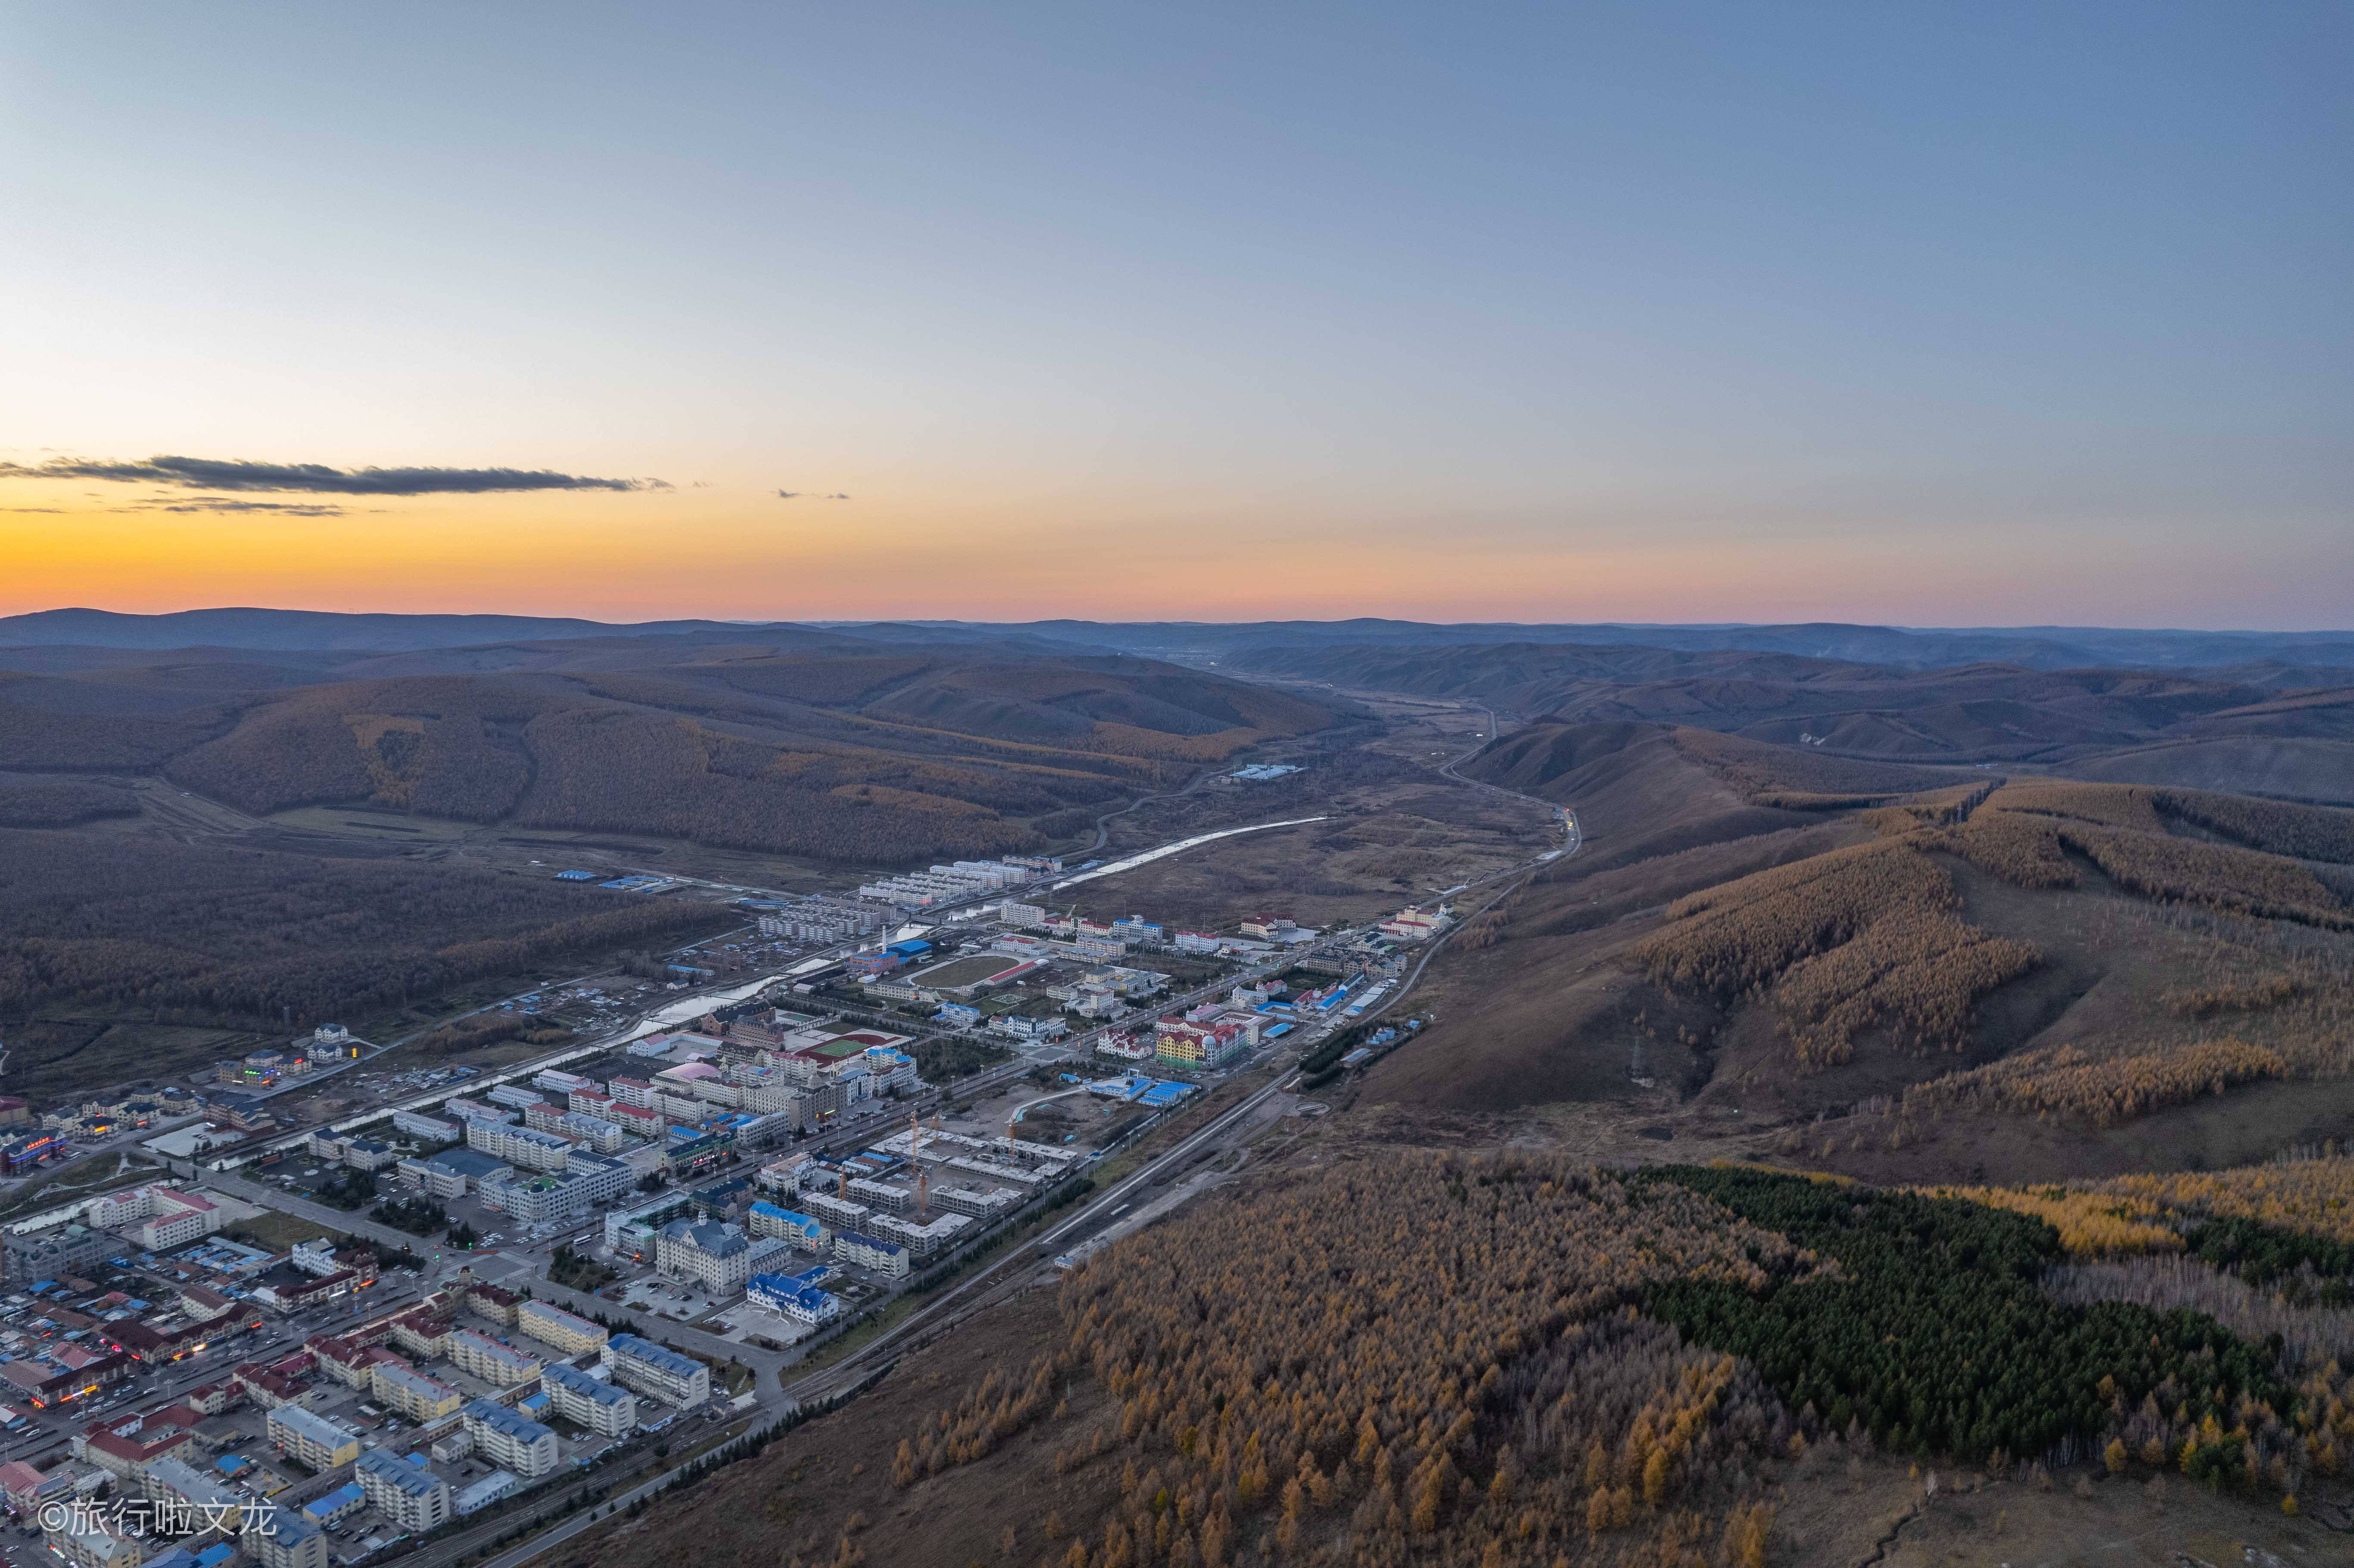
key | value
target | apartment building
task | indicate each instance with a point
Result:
(872, 1252)
(510, 1439)
(403, 1388)
(769, 1220)
(554, 1326)
(404, 1491)
(479, 1355)
(591, 1401)
(310, 1439)
(647, 1368)
(287, 1541)
(522, 1146)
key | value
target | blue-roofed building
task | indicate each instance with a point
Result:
(795, 1296)
(576, 876)
(647, 1368)
(769, 1220)
(219, 1552)
(287, 1541)
(414, 1498)
(336, 1506)
(511, 1439)
(591, 1401)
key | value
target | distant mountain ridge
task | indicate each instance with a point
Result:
(2029, 647)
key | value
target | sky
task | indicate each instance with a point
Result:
(1931, 315)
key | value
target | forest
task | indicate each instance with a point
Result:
(194, 934)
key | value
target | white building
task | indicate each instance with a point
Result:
(647, 1368)
(589, 1402)
(510, 1440)
(409, 1495)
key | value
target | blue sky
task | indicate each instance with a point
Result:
(1938, 314)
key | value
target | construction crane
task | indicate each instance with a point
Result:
(923, 1177)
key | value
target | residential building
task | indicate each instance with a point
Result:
(176, 1480)
(287, 1541)
(647, 1368)
(555, 1326)
(871, 1252)
(510, 1440)
(500, 1307)
(769, 1220)
(431, 1130)
(479, 1355)
(589, 1402)
(91, 1542)
(521, 1146)
(409, 1494)
(336, 1506)
(310, 1439)
(411, 1392)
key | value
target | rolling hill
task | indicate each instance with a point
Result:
(847, 751)
(2187, 726)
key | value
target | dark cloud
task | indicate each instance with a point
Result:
(52, 510)
(231, 473)
(798, 494)
(788, 494)
(223, 504)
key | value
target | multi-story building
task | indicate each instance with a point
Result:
(66, 1249)
(124, 1448)
(422, 1331)
(510, 1439)
(555, 1326)
(589, 1402)
(717, 1256)
(522, 1146)
(593, 1132)
(647, 1368)
(403, 1490)
(431, 1129)
(90, 1542)
(631, 1233)
(479, 1355)
(287, 1541)
(835, 1211)
(411, 1392)
(769, 1220)
(500, 1307)
(921, 1237)
(630, 1091)
(176, 1480)
(336, 1506)
(796, 1296)
(310, 1439)
(872, 1252)
(559, 1197)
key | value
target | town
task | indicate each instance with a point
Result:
(322, 1344)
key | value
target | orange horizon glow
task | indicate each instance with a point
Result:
(703, 553)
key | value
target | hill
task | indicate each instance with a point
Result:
(2036, 976)
(873, 754)
(2187, 726)
(1515, 1360)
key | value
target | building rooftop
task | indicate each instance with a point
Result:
(499, 1418)
(566, 1376)
(646, 1350)
(408, 1477)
